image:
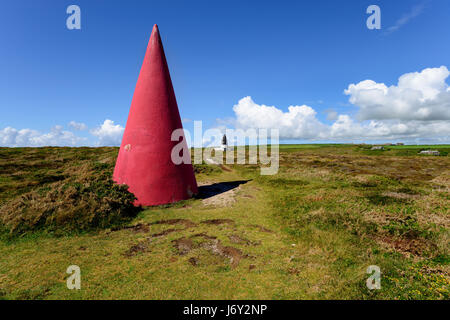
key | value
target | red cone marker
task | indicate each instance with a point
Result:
(144, 162)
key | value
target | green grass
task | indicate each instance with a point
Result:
(405, 150)
(309, 232)
(435, 146)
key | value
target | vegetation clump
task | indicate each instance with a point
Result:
(86, 199)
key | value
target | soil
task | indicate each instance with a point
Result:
(140, 228)
(415, 247)
(135, 249)
(234, 238)
(187, 223)
(163, 233)
(193, 261)
(218, 221)
(135, 229)
(183, 245)
(203, 235)
(215, 246)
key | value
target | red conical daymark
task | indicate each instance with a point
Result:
(144, 162)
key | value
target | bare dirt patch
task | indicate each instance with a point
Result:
(164, 233)
(183, 245)
(194, 261)
(218, 221)
(415, 247)
(235, 255)
(187, 223)
(203, 235)
(138, 228)
(135, 249)
(234, 238)
(212, 244)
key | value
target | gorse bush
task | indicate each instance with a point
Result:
(87, 199)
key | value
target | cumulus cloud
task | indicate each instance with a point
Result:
(11, 137)
(418, 96)
(418, 107)
(299, 121)
(108, 134)
(347, 129)
(79, 126)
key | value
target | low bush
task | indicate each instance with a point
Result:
(87, 199)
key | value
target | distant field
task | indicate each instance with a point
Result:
(415, 148)
(308, 146)
(405, 150)
(308, 232)
(424, 146)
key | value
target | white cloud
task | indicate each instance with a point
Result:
(11, 137)
(299, 121)
(418, 107)
(418, 96)
(405, 18)
(79, 126)
(108, 133)
(347, 129)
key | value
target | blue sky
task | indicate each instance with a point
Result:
(281, 53)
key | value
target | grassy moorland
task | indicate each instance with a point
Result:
(308, 232)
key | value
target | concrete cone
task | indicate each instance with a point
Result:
(144, 162)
